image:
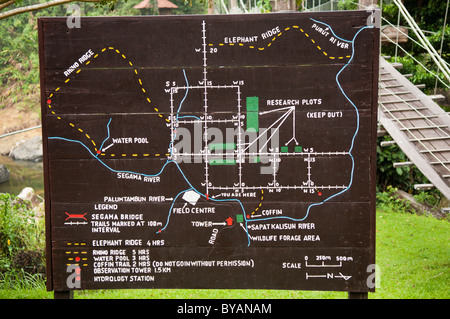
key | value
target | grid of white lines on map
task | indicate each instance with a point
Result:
(241, 148)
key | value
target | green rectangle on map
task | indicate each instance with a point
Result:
(227, 161)
(252, 113)
(252, 104)
(221, 146)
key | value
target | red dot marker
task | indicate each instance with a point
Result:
(49, 101)
(98, 152)
(77, 258)
(319, 193)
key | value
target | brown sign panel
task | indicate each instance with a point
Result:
(210, 151)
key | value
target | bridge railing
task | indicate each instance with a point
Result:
(440, 66)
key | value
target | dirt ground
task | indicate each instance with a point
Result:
(13, 119)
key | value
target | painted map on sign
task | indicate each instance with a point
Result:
(210, 151)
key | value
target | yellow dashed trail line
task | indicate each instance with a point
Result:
(294, 27)
(117, 51)
(260, 202)
(49, 103)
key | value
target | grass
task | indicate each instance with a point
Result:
(412, 253)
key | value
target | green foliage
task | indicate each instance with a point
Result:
(264, 5)
(436, 40)
(386, 201)
(111, 4)
(22, 238)
(19, 279)
(190, 6)
(19, 62)
(347, 5)
(419, 74)
(390, 12)
(432, 197)
(430, 17)
(429, 14)
(388, 175)
(390, 201)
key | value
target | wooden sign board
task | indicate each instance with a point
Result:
(229, 151)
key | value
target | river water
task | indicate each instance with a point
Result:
(23, 174)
